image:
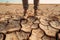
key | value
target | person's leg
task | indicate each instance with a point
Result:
(25, 6)
(35, 6)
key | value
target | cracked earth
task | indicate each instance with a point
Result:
(43, 26)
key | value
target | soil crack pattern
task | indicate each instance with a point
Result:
(45, 25)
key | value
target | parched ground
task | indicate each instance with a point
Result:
(43, 26)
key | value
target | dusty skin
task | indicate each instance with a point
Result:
(43, 26)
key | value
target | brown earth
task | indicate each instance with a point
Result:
(43, 26)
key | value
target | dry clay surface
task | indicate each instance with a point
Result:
(43, 26)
